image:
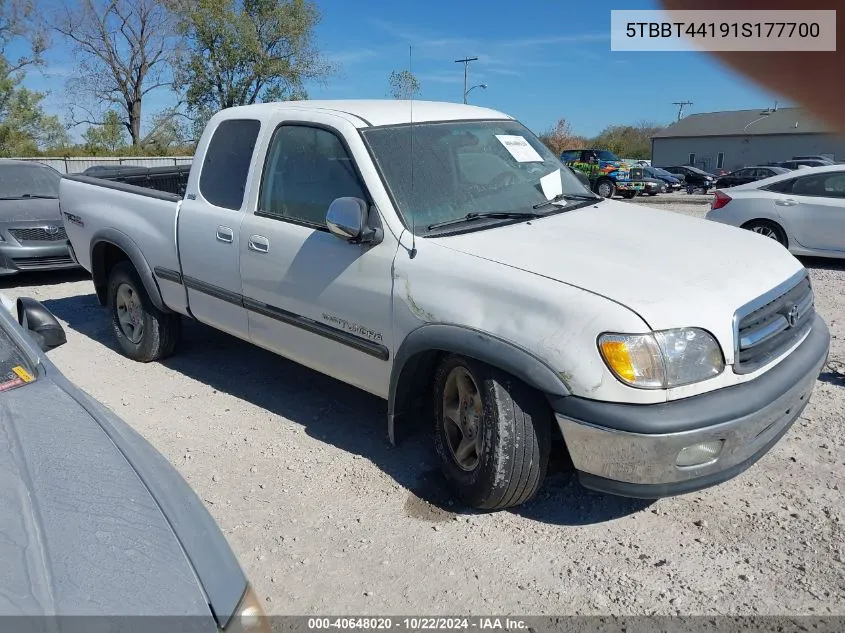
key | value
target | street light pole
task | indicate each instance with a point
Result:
(465, 61)
(466, 94)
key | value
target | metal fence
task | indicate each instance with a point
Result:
(76, 165)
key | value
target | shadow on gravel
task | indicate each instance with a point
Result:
(44, 278)
(341, 415)
(823, 263)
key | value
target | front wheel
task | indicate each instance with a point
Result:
(492, 434)
(606, 188)
(143, 332)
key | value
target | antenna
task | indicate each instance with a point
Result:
(681, 105)
(413, 252)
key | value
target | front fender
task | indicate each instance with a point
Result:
(456, 339)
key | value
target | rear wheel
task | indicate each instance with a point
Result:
(492, 434)
(606, 188)
(768, 229)
(143, 332)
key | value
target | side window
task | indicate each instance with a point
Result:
(829, 185)
(570, 155)
(784, 186)
(226, 163)
(306, 169)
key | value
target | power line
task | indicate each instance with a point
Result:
(465, 61)
(681, 105)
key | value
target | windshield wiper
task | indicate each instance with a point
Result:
(469, 217)
(567, 196)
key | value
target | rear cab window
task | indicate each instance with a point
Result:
(227, 161)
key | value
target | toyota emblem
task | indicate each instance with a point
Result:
(792, 315)
(51, 230)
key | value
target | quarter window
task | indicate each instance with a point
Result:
(226, 164)
(306, 169)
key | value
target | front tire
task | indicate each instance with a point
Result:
(492, 434)
(768, 229)
(143, 332)
(606, 188)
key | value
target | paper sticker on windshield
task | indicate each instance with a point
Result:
(23, 374)
(552, 186)
(519, 148)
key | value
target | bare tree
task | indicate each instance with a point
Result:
(125, 50)
(403, 84)
(17, 22)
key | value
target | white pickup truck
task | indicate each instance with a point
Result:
(439, 256)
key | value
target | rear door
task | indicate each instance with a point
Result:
(815, 209)
(208, 230)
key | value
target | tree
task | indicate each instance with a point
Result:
(403, 84)
(628, 141)
(125, 49)
(109, 136)
(167, 133)
(240, 52)
(24, 127)
(561, 137)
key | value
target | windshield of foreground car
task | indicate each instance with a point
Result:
(467, 167)
(15, 369)
(28, 181)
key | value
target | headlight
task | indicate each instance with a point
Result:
(249, 617)
(661, 360)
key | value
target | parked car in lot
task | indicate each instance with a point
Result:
(95, 521)
(673, 183)
(31, 233)
(803, 210)
(653, 186)
(694, 177)
(608, 174)
(806, 162)
(818, 157)
(748, 174)
(471, 276)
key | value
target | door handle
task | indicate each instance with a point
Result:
(258, 243)
(786, 203)
(225, 234)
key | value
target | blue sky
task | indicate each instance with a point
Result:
(541, 59)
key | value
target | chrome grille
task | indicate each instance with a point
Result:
(39, 234)
(764, 332)
(636, 173)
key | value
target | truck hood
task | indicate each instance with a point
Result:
(671, 269)
(80, 534)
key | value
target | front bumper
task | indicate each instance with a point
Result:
(15, 258)
(631, 450)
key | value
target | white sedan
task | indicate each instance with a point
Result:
(803, 210)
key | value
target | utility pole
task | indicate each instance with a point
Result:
(465, 61)
(681, 105)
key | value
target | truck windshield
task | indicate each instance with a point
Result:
(458, 168)
(28, 181)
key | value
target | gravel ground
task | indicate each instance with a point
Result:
(326, 517)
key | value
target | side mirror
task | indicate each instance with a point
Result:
(347, 219)
(40, 324)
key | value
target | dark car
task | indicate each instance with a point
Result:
(94, 520)
(653, 186)
(32, 235)
(827, 161)
(673, 183)
(748, 174)
(694, 177)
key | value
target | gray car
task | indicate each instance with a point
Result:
(32, 235)
(93, 520)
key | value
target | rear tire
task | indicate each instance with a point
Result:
(143, 332)
(769, 229)
(496, 453)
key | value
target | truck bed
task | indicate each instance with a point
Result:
(93, 209)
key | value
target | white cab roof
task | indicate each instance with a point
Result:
(365, 113)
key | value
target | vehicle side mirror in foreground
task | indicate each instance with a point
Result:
(347, 219)
(40, 324)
